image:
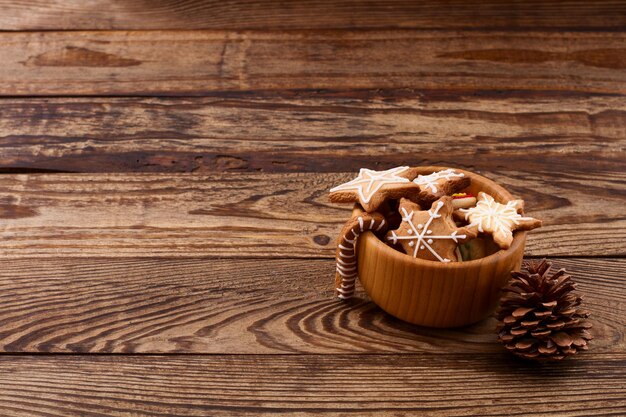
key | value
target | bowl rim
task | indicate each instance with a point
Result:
(519, 237)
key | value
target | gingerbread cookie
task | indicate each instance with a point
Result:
(440, 183)
(498, 219)
(429, 234)
(371, 188)
(346, 271)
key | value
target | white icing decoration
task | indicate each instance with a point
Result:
(368, 182)
(361, 223)
(430, 181)
(344, 268)
(418, 238)
(382, 223)
(494, 216)
(345, 275)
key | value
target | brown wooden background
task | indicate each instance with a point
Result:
(167, 242)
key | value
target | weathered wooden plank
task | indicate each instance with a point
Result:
(157, 305)
(364, 385)
(262, 215)
(316, 131)
(325, 14)
(197, 62)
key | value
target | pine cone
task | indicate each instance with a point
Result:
(538, 315)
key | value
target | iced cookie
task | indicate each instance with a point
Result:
(346, 270)
(371, 188)
(440, 183)
(429, 234)
(500, 220)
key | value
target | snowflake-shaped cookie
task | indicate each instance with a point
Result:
(429, 234)
(440, 183)
(371, 188)
(498, 219)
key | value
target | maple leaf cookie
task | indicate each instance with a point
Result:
(498, 219)
(440, 183)
(429, 234)
(346, 270)
(371, 188)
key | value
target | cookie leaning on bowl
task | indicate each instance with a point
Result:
(345, 255)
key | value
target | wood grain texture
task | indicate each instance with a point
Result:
(317, 132)
(324, 14)
(262, 215)
(198, 305)
(229, 274)
(197, 62)
(364, 385)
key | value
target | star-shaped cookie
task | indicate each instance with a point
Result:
(371, 188)
(429, 234)
(498, 219)
(440, 183)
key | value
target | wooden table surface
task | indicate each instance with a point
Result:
(167, 241)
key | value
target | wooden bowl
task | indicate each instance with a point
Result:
(437, 294)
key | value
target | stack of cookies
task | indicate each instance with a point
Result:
(431, 217)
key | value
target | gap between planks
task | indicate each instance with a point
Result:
(28, 15)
